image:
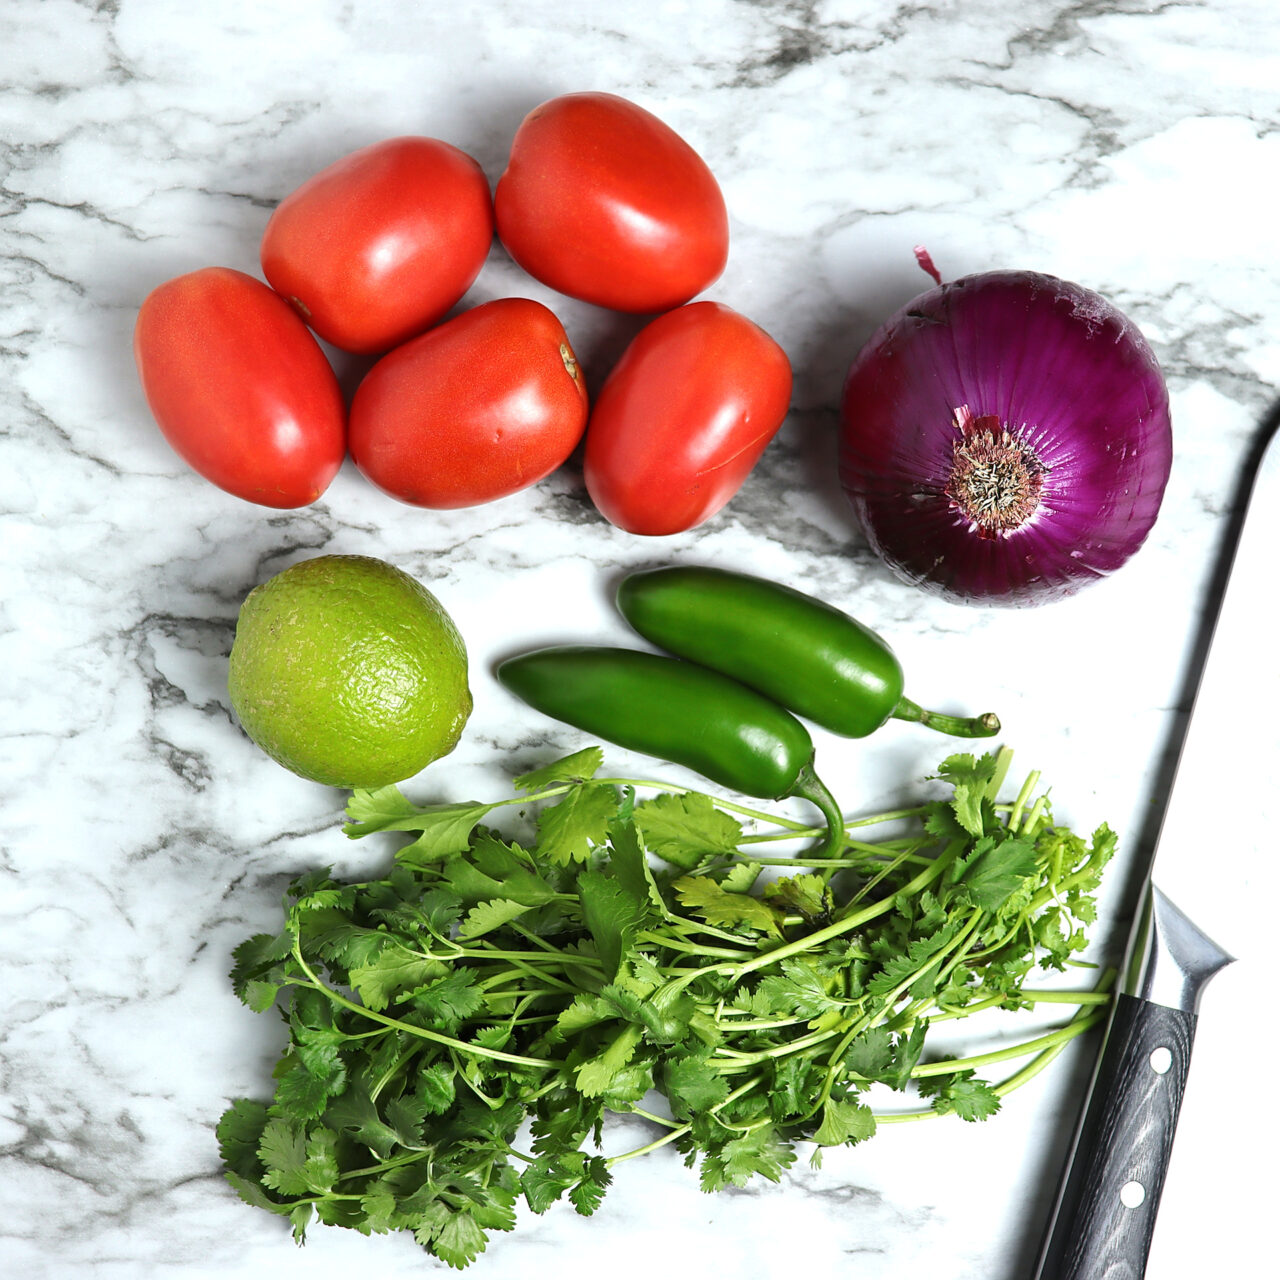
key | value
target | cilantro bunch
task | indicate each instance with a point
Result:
(460, 1029)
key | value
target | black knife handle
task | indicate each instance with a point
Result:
(1101, 1228)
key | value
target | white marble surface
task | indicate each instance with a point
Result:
(1129, 146)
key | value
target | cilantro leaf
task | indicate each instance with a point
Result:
(378, 809)
(844, 1122)
(258, 972)
(993, 872)
(613, 916)
(941, 821)
(282, 1149)
(870, 1054)
(571, 828)
(962, 1094)
(792, 1086)
(706, 898)
(302, 1093)
(906, 1054)
(596, 1075)
(333, 935)
(737, 1161)
(693, 1085)
(448, 1001)
(355, 1112)
(395, 970)
(913, 964)
(546, 1180)
(585, 1179)
(741, 877)
(253, 1193)
(485, 917)
(581, 766)
(799, 989)
(239, 1134)
(970, 779)
(587, 1193)
(453, 1236)
(686, 830)
(630, 867)
(806, 895)
(434, 1087)
(445, 828)
(586, 1010)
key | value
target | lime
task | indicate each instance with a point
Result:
(348, 671)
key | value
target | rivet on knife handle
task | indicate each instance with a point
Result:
(1107, 1210)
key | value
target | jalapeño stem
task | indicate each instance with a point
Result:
(983, 726)
(810, 787)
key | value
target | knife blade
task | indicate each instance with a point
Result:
(1103, 1220)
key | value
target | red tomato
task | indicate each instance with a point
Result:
(378, 246)
(604, 202)
(683, 417)
(240, 387)
(483, 405)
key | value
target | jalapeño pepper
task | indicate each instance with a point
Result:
(804, 654)
(677, 711)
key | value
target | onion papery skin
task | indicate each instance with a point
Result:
(1067, 374)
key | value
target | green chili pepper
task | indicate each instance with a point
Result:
(806, 655)
(681, 712)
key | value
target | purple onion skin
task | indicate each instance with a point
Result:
(1068, 375)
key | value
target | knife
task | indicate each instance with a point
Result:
(1104, 1216)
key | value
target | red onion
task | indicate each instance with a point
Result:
(1005, 438)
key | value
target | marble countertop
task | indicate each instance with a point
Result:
(1128, 146)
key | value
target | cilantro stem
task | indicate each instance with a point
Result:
(797, 830)
(567, 958)
(1020, 803)
(479, 1051)
(758, 1024)
(848, 923)
(774, 819)
(836, 863)
(945, 1012)
(960, 951)
(685, 926)
(1031, 823)
(665, 1121)
(383, 1166)
(1004, 758)
(681, 1130)
(1065, 997)
(691, 948)
(519, 964)
(1068, 1031)
(888, 869)
(739, 1061)
(651, 784)
(492, 1103)
(390, 1074)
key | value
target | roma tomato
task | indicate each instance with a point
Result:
(378, 246)
(485, 404)
(240, 387)
(604, 202)
(683, 417)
